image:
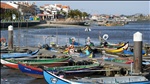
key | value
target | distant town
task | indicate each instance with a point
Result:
(22, 11)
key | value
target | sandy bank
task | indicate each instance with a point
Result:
(59, 25)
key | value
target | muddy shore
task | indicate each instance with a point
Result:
(12, 76)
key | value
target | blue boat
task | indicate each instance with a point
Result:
(18, 55)
(128, 52)
(54, 79)
(72, 69)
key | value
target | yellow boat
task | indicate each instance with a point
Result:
(117, 50)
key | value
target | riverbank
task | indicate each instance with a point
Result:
(38, 25)
(56, 25)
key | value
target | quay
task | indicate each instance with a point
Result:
(19, 23)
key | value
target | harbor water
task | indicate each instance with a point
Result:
(36, 36)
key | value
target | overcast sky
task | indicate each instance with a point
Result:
(105, 7)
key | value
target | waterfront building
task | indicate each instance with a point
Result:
(53, 11)
(25, 8)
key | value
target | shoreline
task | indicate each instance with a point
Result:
(58, 25)
(51, 26)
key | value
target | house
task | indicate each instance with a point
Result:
(94, 17)
(53, 11)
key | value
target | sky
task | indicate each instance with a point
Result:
(105, 7)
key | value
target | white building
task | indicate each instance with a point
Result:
(51, 10)
(95, 17)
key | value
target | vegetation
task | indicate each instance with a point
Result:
(77, 14)
(7, 15)
(27, 9)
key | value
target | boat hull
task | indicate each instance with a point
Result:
(37, 72)
(18, 55)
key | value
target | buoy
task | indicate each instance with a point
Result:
(105, 36)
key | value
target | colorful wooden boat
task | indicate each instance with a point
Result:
(18, 55)
(35, 62)
(54, 79)
(118, 50)
(128, 52)
(85, 52)
(72, 68)
(51, 78)
(9, 64)
(106, 44)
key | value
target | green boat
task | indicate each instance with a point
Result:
(73, 68)
(49, 62)
(76, 66)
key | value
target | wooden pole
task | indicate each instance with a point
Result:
(10, 37)
(137, 38)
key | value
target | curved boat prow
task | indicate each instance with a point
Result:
(54, 79)
(35, 52)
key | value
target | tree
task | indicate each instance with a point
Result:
(84, 14)
(27, 9)
(7, 15)
(77, 14)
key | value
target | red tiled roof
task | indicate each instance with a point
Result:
(6, 6)
(65, 7)
(59, 5)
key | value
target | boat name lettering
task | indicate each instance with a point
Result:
(53, 80)
(27, 69)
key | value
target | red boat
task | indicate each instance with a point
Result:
(9, 64)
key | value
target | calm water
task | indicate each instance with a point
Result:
(33, 36)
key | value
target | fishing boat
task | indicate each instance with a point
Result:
(109, 55)
(50, 62)
(105, 44)
(85, 51)
(18, 55)
(118, 50)
(72, 68)
(116, 58)
(54, 79)
(116, 80)
(129, 52)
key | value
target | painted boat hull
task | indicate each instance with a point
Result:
(13, 66)
(31, 71)
(54, 79)
(52, 63)
(37, 72)
(118, 50)
(18, 55)
(9, 64)
(127, 52)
